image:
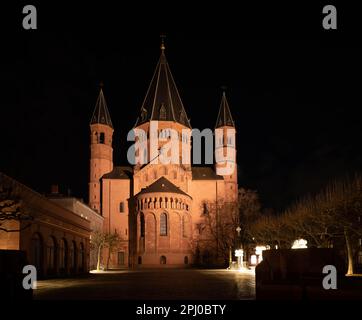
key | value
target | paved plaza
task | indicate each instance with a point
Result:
(151, 284)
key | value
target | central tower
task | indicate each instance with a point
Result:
(163, 117)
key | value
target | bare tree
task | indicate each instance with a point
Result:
(112, 242)
(222, 219)
(12, 210)
(98, 242)
(334, 213)
(104, 240)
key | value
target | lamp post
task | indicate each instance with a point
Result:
(239, 252)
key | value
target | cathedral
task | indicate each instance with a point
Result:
(157, 208)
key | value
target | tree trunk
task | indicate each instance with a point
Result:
(109, 257)
(99, 258)
(349, 252)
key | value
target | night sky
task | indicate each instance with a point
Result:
(294, 89)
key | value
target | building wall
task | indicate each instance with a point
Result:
(84, 211)
(155, 247)
(115, 193)
(43, 238)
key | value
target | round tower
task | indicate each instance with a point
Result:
(225, 150)
(101, 151)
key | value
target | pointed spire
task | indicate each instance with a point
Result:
(224, 117)
(101, 113)
(162, 101)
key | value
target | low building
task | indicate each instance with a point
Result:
(55, 239)
(79, 207)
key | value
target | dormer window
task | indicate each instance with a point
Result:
(163, 115)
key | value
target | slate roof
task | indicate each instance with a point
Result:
(224, 117)
(162, 185)
(162, 101)
(205, 173)
(101, 114)
(119, 173)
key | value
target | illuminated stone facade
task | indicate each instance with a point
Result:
(156, 207)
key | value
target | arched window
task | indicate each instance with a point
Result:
(63, 254)
(205, 208)
(184, 224)
(101, 138)
(140, 260)
(163, 224)
(81, 257)
(37, 251)
(121, 207)
(162, 260)
(142, 226)
(51, 254)
(186, 260)
(73, 255)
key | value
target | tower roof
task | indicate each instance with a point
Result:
(224, 117)
(162, 101)
(101, 113)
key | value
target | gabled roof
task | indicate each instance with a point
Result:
(224, 117)
(119, 173)
(101, 113)
(162, 185)
(162, 101)
(205, 173)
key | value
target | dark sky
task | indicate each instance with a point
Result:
(293, 88)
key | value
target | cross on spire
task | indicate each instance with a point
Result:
(163, 37)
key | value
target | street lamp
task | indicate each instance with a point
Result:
(239, 253)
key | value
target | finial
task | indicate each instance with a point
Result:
(162, 36)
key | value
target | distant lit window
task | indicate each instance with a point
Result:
(163, 224)
(121, 207)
